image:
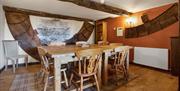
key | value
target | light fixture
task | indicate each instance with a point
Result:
(130, 21)
(102, 1)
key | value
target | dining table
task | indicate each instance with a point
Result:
(64, 55)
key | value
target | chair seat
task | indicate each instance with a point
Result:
(15, 58)
(19, 56)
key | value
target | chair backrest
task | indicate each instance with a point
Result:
(80, 43)
(44, 58)
(88, 60)
(57, 44)
(10, 48)
(115, 44)
(120, 55)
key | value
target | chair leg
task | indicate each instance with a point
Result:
(81, 84)
(16, 63)
(97, 84)
(116, 73)
(40, 73)
(65, 78)
(26, 61)
(46, 82)
(14, 67)
(125, 73)
(6, 64)
(43, 78)
(70, 80)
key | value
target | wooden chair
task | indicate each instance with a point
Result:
(11, 53)
(48, 69)
(87, 66)
(115, 44)
(118, 62)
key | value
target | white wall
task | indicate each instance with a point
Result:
(91, 40)
(2, 18)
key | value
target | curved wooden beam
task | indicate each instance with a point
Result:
(21, 29)
(98, 6)
(83, 35)
(170, 16)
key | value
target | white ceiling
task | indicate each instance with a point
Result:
(137, 5)
(64, 8)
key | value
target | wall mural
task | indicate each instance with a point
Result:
(53, 29)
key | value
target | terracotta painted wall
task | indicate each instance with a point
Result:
(160, 39)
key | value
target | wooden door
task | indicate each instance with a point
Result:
(101, 32)
(175, 55)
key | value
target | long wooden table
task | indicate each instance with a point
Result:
(58, 53)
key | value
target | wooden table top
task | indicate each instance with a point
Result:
(53, 50)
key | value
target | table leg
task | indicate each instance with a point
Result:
(99, 73)
(127, 61)
(57, 74)
(105, 69)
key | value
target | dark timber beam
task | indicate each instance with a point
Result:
(43, 14)
(98, 6)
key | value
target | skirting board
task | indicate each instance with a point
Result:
(23, 64)
(2, 69)
(10, 66)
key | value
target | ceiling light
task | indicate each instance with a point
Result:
(102, 1)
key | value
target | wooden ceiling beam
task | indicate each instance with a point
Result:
(98, 6)
(43, 14)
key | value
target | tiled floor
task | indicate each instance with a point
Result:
(148, 80)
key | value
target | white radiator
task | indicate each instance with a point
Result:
(153, 57)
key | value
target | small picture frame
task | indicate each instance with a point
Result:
(119, 31)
